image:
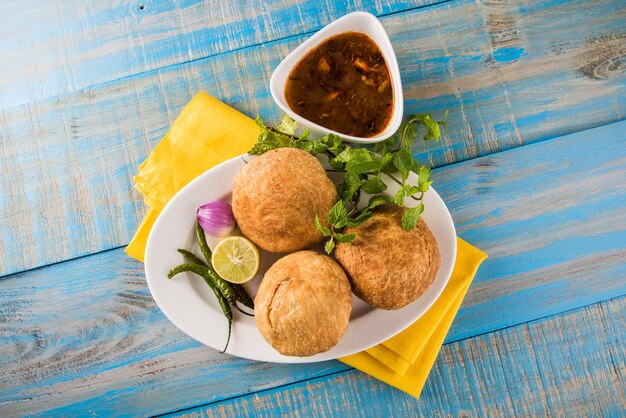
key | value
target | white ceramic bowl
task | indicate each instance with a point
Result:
(354, 22)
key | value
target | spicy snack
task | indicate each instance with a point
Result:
(303, 305)
(276, 197)
(388, 266)
(283, 201)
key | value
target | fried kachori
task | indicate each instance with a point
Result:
(303, 304)
(389, 267)
(276, 197)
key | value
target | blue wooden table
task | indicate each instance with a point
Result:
(533, 170)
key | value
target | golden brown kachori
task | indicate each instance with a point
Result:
(303, 305)
(388, 266)
(276, 197)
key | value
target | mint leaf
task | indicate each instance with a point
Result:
(318, 147)
(351, 184)
(305, 135)
(424, 174)
(408, 132)
(410, 217)
(432, 127)
(398, 198)
(287, 125)
(283, 136)
(306, 146)
(415, 167)
(386, 163)
(410, 190)
(338, 215)
(374, 185)
(330, 246)
(312, 147)
(403, 160)
(425, 186)
(337, 165)
(347, 239)
(340, 160)
(362, 161)
(380, 148)
(364, 216)
(270, 140)
(378, 201)
(423, 182)
(345, 155)
(259, 149)
(383, 147)
(333, 143)
(324, 230)
(390, 142)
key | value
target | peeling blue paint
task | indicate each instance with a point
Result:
(508, 54)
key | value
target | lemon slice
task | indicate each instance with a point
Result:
(235, 259)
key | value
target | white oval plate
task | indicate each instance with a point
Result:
(190, 304)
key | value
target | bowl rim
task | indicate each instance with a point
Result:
(372, 27)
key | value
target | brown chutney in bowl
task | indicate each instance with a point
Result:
(344, 85)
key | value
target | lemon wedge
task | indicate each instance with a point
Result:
(235, 259)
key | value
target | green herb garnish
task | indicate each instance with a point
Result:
(362, 170)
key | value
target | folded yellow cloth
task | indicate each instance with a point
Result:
(405, 360)
(208, 132)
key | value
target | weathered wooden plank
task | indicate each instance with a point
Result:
(548, 214)
(87, 333)
(52, 48)
(515, 72)
(573, 364)
(127, 355)
(67, 163)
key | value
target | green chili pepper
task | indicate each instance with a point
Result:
(242, 296)
(230, 291)
(228, 313)
(191, 257)
(240, 293)
(204, 247)
(222, 285)
(193, 267)
(203, 271)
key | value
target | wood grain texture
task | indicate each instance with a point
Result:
(548, 214)
(52, 48)
(67, 162)
(515, 72)
(86, 335)
(570, 365)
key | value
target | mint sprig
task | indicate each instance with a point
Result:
(337, 220)
(362, 170)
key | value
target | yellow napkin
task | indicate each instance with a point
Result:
(205, 133)
(208, 132)
(405, 360)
